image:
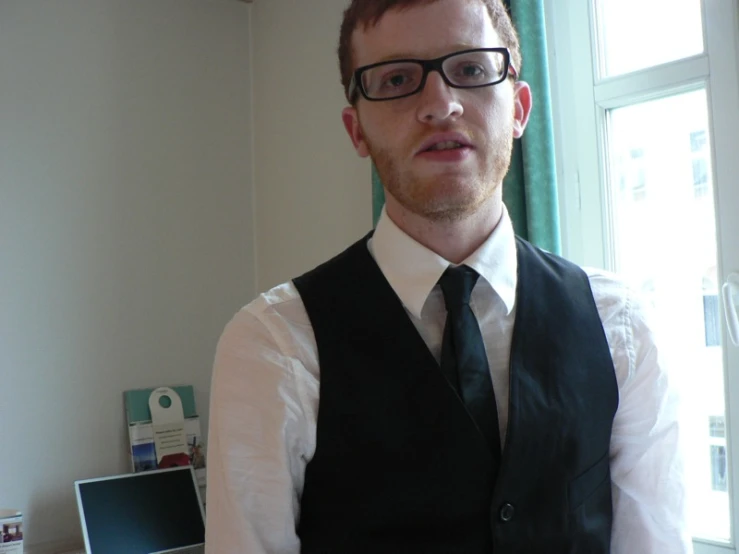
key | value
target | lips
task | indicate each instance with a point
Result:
(444, 141)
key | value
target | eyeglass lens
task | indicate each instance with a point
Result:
(469, 69)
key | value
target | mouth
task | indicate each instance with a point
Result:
(447, 145)
(447, 148)
(444, 143)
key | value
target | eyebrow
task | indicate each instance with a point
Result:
(404, 56)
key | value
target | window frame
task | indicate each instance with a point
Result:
(580, 102)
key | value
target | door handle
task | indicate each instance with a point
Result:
(730, 292)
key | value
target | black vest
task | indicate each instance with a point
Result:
(400, 467)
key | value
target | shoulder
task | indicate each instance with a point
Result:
(350, 260)
(612, 294)
(617, 300)
(553, 262)
(276, 320)
(627, 317)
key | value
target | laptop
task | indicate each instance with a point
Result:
(152, 512)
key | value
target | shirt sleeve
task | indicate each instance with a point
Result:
(256, 431)
(647, 457)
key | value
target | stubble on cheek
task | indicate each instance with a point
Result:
(443, 197)
(433, 197)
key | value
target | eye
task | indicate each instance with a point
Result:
(472, 70)
(393, 79)
(396, 80)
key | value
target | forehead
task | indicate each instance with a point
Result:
(425, 31)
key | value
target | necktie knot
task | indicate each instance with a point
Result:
(456, 285)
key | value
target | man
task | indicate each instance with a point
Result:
(442, 386)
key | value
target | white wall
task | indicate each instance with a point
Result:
(312, 191)
(126, 227)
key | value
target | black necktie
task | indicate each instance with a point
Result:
(463, 358)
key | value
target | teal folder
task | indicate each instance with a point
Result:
(137, 403)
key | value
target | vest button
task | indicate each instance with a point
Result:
(507, 512)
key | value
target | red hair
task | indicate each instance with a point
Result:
(367, 13)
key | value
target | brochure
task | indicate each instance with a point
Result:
(172, 437)
(11, 525)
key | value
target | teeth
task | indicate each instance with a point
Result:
(448, 145)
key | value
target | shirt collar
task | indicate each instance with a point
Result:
(413, 270)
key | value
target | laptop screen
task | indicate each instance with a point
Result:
(142, 512)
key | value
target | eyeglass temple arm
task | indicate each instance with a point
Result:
(513, 71)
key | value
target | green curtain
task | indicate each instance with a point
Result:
(378, 196)
(530, 188)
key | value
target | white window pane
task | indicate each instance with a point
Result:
(664, 233)
(636, 34)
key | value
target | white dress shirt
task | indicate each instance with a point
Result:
(264, 399)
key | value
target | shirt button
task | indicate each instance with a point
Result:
(507, 512)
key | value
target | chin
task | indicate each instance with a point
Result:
(445, 208)
(446, 196)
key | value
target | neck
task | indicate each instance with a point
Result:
(454, 241)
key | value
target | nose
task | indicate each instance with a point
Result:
(438, 101)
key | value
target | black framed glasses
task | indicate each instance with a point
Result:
(475, 68)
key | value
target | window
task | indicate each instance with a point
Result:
(638, 175)
(711, 320)
(718, 469)
(697, 142)
(717, 426)
(699, 159)
(619, 22)
(644, 97)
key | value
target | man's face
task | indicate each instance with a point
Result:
(438, 185)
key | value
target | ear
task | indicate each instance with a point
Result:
(522, 102)
(351, 122)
